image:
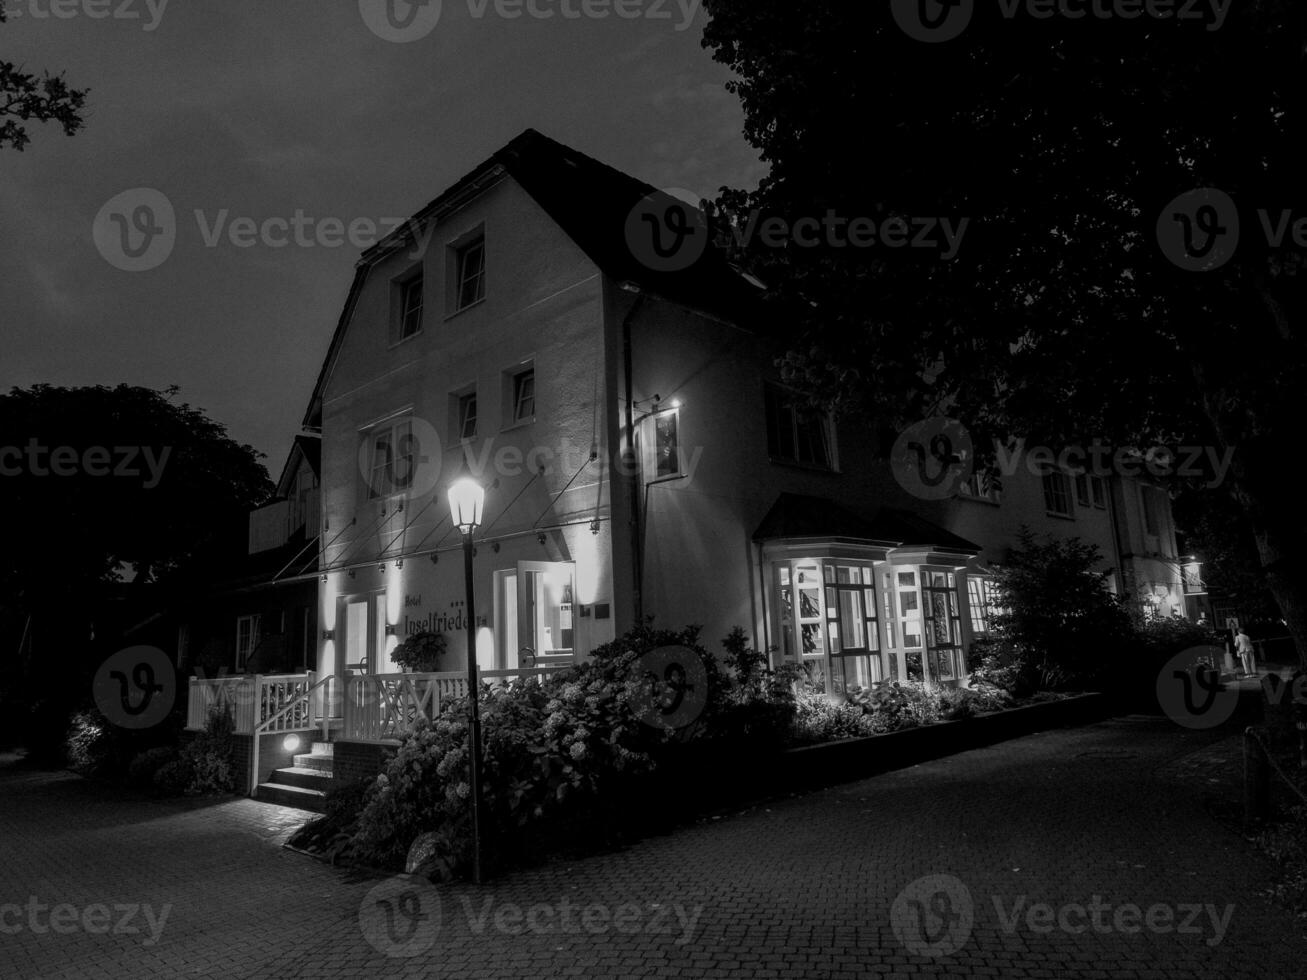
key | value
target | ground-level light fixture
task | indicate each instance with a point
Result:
(290, 743)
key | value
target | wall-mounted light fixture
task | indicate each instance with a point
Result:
(594, 527)
(391, 629)
(328, 634)
(399, 563)
(351, 573)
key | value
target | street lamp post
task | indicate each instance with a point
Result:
(466, 502)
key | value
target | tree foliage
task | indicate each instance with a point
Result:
(1063, 141)
(26, 97)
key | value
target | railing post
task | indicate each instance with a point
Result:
(1256, 781)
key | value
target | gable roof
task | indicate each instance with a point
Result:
(307, 448)
(797, 515)
(590, 201)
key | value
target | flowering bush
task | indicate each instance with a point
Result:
(553, 752)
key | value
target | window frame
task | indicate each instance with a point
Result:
(463, 418)
(391, 427)
(412, 282)
(461, 275)
(782, 411)
(253, 619)
(518, 380)
(650, 448)
(1067, 492)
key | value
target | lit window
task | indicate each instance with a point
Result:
(524, 396)
(467, 416)
(393, 457)
(980, 602)
(471, 266)
(410, 307)
(1057, 494)
(796, 433)
(662, 446)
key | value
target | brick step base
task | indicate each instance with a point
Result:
(299, 797)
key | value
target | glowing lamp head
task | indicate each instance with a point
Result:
(467, 500)
(290, 743)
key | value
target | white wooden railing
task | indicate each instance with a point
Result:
(382, 707)
(262, 702)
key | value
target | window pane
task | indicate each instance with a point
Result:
(471, 274)
(667, 454)
(852, 627)
(467, 416)
(907, 578)
(524, 396)
(411, 307)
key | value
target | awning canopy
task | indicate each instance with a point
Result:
(800, 516)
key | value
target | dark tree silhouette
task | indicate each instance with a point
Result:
(1066, 143)
(45, 98)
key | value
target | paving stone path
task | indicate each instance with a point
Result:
(1089, 822)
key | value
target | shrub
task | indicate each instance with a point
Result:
(1056, 621)
(172, 778)
(819, 719)
(90, 744)
(142, 769)
(206, 764)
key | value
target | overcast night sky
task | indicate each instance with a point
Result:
(262, 108)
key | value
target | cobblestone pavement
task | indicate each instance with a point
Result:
(804, 886)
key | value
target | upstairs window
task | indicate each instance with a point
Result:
(1098, 490)
(467, 415)
(797, 433)
(1057, 494)
(978, 487)
(1082, 489)
(410, 306)
(1152, 510)
(392, 454)
(524, 396)
(470, 266)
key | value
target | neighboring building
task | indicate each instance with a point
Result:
(515, 340)
(260, 614)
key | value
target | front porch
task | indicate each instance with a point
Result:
(288, 726)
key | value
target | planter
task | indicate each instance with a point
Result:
(858, 758)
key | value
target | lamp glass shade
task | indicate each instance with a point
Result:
(467, 500)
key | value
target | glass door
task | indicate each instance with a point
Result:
(546, 629)
(943, 629)
(851, 626)
(902, 608)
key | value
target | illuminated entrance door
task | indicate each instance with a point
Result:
(534, 610)
(363, 618)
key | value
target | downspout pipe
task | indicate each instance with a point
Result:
(630, 472)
